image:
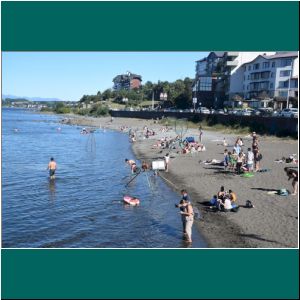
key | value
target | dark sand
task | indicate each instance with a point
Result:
(272, 223)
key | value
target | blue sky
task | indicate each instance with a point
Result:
(69, 75)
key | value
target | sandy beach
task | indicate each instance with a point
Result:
(272, 223)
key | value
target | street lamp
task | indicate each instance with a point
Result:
(194, 102)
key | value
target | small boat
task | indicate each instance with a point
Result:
(131, 200)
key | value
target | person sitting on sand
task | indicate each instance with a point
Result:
(227, 204)
(292, 174)
(214, 201)
(221, 194)
(233, 198)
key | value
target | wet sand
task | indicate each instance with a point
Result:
(272, 223)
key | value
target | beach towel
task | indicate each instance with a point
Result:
(247, 175)
(190, 139)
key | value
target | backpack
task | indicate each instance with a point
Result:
(249, 204)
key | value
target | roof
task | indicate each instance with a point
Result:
(219, 53)
(281, 55)
(216, 53)
(276, 55)
(202, 59)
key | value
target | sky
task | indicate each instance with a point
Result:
(70, 75)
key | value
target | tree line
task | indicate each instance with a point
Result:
(179, 94)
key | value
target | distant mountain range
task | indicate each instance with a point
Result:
(30, 98)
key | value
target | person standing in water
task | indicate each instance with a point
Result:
(188, 214)
(52, 168)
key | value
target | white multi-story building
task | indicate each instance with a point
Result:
(273, 76)
(236, 79)
(220, 75)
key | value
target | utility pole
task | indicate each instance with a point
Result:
(289, 86)
(152, 100)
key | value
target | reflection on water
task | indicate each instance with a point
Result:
(83, 206)
(52, 189)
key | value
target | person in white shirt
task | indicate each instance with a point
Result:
(250, 160)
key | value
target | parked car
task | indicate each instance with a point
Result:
(245, 112)
(289, 113)
(265, 112)
(233, 111)
(276, 113)
(203, 110)
(220, 112)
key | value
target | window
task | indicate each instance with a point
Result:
(283, 84)
(286, 62)
(255, 66)
(205, 84)
(273, 64)
(272, 74)
(255, 76)
(282, 94)
(248, 77)
(285, 73)
(266, 65)
(247, 87)
(249, 68)
(271, 85)
(265, 75)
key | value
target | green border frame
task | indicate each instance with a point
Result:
(155, 273)
(150, 26)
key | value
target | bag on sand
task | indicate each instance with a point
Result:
(249, 204)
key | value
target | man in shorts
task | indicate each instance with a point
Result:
(52, 168)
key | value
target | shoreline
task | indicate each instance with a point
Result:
(262, 227)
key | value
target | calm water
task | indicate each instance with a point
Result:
(82, 207)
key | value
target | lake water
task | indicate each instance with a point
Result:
(82, 207)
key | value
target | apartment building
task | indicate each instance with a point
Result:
(220, 75)
(272, 76)
(127, 81)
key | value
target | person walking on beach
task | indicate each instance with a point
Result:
(200, 134)
(292, 174)
(167, 162)
(52, 168)
(188, 214)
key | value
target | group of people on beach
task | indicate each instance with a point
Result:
(238, 161)
(224, 201)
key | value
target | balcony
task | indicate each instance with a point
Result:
(232, 63)
(233, 54)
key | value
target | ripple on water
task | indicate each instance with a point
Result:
(83, 206)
